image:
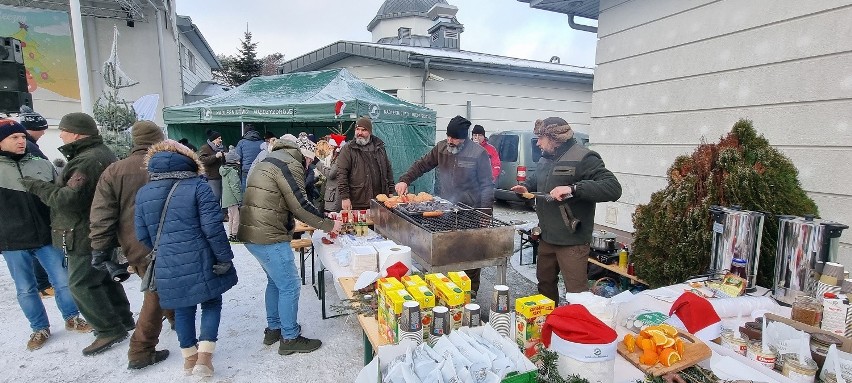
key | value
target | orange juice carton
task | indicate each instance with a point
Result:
(530, 313)
(393, 310)
(383, 286)
(423, 295)
(461, 280)
(435, 279)
(451, 296)
(412, 280)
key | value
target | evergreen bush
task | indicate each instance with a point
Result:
(674, 230)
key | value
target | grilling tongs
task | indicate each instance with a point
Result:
(530, 195)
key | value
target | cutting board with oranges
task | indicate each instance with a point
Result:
(660, 349)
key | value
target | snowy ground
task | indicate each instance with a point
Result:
(240, 356)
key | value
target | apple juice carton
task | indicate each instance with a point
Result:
(530, 313)
(412, 280)
(451, 296)
(393, 307)
(423, 295)
(383, 287)
(461, 280)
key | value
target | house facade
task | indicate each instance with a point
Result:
(673, 72)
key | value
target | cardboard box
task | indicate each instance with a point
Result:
(435, 279)
(847, 342)
(423, 295)
(383, 287)
(530, 313)
(392, 311)
(461, 280)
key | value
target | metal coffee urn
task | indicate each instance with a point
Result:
(804, 244)
(736, 234)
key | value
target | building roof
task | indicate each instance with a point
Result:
(188, 29)
(392, 9)
(462, 61)
(583, 8)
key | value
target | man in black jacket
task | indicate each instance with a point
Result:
(36, 125)
(576, 179)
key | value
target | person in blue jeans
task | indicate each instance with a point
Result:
(25, 236)
(275, 196)
(193, 264)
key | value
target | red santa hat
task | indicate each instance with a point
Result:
(573, 331)
(697, 315)
(336, 140)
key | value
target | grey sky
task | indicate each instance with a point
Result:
(295, 27)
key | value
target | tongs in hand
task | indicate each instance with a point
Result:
(530, 195)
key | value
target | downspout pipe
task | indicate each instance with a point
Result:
(423, 84)
(580, 27)
(80, 56)
(163, 68)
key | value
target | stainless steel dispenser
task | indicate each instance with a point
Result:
(804, 244)
(736, 234)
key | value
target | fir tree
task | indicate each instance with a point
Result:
(236, 70)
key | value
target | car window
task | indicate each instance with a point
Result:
(508, 148)
(536, 151)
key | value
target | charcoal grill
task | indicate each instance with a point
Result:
(462, 238)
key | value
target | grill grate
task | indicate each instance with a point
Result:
(463, 219)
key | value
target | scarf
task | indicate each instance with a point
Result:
(216, 148)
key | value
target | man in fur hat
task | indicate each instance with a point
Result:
(101, 299)
(577, 179)
(464, 174)
(112, 226)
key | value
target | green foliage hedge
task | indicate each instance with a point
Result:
(673, 231)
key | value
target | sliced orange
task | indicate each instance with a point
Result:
(658, 336)
(649, 358)
(630, 342)
(648, 345)
(669, 357)
(669, 342)
(678, 345)
(668, 329)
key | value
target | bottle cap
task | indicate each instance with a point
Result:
(739, 262)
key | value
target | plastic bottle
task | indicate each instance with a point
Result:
(738, 267)
(622, 258)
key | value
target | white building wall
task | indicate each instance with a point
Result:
(202, 72)
(390, 27)
(673, 72)
(498, 103)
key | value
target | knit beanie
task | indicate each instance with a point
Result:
(307, 148)
(212, 134)
(555, 128)
(32, 120)
(232, 157)
(146, 133)
(478, 129)
(457, 128)
(10, 127)
(79, 123)
(365, 123)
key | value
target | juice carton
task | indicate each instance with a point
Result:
(461, 280)
(412, 280)
(530, 313)
(435, 279)
(426, 298)
(451, 296)
(393, 309)
(383, 286)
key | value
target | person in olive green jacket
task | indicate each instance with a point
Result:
(575, 179)
(101, 300)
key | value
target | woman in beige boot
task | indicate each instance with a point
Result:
(193, 257)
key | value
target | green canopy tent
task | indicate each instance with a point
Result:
(307, 102)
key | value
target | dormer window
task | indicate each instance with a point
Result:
(404, 33)
(448, 34)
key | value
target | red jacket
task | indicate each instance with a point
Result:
(495, 158)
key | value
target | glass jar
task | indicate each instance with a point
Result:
(738, 268)
(807, 310)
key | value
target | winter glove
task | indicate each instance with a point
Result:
(99, 258)
(221, 268)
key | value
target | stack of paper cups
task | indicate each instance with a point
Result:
(471, 316)
(410, 325)
(441, 324)
(500, 316)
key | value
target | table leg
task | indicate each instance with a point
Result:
(321, 277)
(368, 349)
(302, 261)
(501, 272)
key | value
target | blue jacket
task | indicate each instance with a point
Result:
(248, 148)
(193, 237)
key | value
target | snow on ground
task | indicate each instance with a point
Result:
(240, 355)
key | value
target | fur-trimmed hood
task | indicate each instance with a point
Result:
(170, 156)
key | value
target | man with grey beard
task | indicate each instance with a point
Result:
(363, 168)
(464, 174)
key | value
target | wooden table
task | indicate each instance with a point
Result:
(370, 325)
(617, 270)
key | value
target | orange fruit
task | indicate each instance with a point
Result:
(658, 337)
(669, 342)
(648, 345)
(668, 329)
(630, 342)
(669, 357)
(678, 345)
(649, 358)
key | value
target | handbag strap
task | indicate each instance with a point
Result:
(163, 217)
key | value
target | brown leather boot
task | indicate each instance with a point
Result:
(190, 357)
(204, 364)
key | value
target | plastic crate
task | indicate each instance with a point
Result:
(527, 377)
